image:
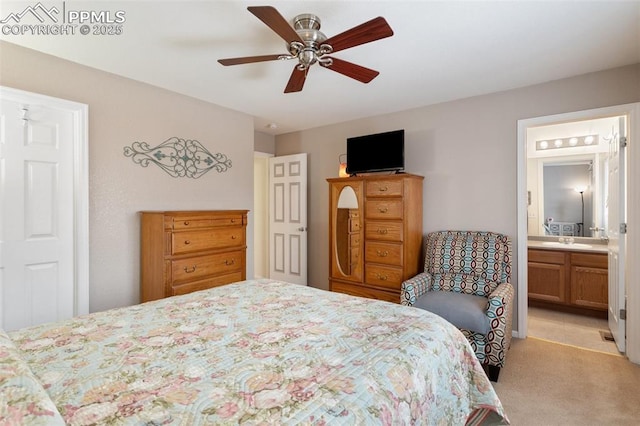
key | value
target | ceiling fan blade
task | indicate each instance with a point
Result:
(249, 59)
(372, 30)
(296, 81)
(357, 72)
(272, 18)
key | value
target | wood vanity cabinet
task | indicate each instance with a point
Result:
(381, 244)
(186, 251)
(568, 280)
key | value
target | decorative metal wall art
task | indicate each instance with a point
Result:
(178, 157)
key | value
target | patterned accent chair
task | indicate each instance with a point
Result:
(467, 281)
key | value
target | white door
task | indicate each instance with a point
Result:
(616, 211)
(288, 218)
(40, 277)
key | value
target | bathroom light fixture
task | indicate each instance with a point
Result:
(570, 142)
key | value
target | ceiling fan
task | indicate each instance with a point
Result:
(307, 44)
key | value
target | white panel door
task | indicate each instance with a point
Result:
(38, 270)
(616, 211)
(288, 218)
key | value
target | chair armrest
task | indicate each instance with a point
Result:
(500, 313)
(414, 288)
(501, 296)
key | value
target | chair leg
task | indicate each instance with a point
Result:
(492, 372)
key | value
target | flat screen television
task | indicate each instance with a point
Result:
(376, 153)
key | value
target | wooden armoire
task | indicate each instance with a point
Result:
(375, 234)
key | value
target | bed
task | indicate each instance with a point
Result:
(253, 352)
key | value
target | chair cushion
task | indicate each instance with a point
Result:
(465, 311)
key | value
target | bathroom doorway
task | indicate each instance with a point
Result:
(563, 143)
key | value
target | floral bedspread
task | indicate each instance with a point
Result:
(251, 352)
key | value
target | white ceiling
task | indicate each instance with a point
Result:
(440, 51)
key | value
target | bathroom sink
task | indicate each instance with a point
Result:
(573, 245)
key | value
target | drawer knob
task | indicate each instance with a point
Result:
(186, 223)
(382, 277)
(233, 237)
(383, 189)
(382, 209)
(382, 253)
(187, 242)
(188, 271)
(382, 231)
(233, 221)
(230, 262)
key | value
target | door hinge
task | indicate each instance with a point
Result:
(623, 142)
(623, 228)
(623, 314)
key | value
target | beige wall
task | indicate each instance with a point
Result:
(122, 111)
(465, 149)
(264, 142)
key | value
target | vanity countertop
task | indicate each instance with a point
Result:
(595, 247)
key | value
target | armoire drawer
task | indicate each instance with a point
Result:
(383, 230)
(206, 239)
(362, 291)
(386, 253)
(383, 209)
(196, 268)
(384, 188)
(383, 276)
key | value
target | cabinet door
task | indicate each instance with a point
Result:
(346, 229)
(547, 282)
(589, 287)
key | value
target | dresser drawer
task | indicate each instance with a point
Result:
(383, 209)
(383, 276)
(189, 287)
(387, 253)
(206, 239)
(200, 267)
(381, 230)
(194, 222)
(384, 188)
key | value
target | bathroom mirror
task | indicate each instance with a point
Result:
(347, 231)
(566, 178)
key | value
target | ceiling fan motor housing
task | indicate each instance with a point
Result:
(307, 25)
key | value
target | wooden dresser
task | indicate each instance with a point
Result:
(185, 251)
(385, 225)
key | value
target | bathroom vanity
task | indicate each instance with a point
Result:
(568, 277)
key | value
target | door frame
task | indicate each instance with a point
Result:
(633, 215)
(80, 114)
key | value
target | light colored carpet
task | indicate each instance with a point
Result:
(576, 330)
(545, 383)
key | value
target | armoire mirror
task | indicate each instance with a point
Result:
(347, 230)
